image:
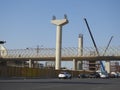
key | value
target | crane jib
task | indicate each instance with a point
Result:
(102, 66)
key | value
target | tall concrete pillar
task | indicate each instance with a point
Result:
(80, 45)
(59, 24)
(58, 47)
(74, 64)
(80, 51)
(107, 66)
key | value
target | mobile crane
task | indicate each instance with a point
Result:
(102, 70)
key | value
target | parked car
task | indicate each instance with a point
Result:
(103, 74)
(83, 76)
(64, 75)
(114, 75)
(94, 75)
(118, 74)
(111, 75)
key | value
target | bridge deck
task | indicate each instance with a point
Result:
(45, 54)
(96, 58)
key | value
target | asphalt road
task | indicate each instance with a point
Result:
(56, 84)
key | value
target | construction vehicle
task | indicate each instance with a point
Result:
(103, 73)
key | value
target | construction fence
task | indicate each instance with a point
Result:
(25, 72)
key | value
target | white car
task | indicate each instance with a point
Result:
(64, 75)
(103, 74)
(115, 74)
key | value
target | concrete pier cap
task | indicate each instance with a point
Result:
(59, 23)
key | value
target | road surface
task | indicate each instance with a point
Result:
(56, 84)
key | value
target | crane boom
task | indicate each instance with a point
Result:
(92, 37)
(103, 68)
(108, 45)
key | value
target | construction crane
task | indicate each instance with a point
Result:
(108, 45)
(101, 63)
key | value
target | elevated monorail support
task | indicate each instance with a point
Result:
(107, 66)
(59, 24)
(80, 52)
(74, 64)
(30, 63)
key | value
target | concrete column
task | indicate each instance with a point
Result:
(3, 51)
(59, 24)
(30, 63)
(80, 51)
(35, 64)
(80, 45)
(107, 66)
(58, 47)
(74, 64)
(79, 65)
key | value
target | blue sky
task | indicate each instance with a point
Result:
(26, 23)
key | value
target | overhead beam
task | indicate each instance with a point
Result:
(95, 58)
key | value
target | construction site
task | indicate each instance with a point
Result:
(26, 62)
